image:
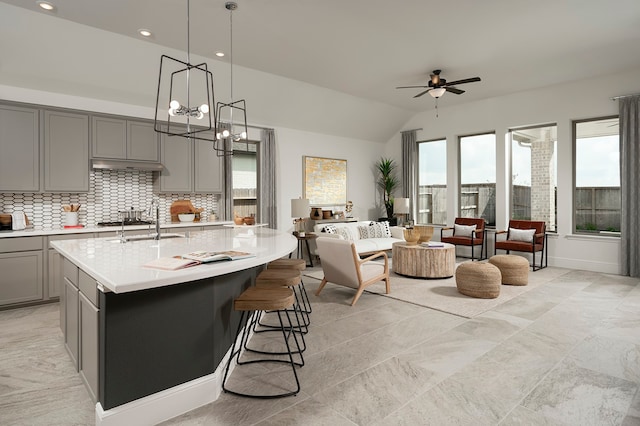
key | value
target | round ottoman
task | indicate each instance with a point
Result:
(514, 269)
(481, 280)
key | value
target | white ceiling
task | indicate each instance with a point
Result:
(368, 47)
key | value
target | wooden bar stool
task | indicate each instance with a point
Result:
(252, 302)
(300, 265)
(272, 278)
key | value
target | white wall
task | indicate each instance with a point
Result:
(555, 104)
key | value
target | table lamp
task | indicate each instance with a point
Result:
(400, 208)
(299, 210)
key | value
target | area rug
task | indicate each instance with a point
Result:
(442, 294)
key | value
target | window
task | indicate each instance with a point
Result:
(534, 174)
(596, 199)
(244, 166)
(478, 177)
(432, 182)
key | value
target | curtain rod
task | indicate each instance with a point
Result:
(412, 130)
(615, 98)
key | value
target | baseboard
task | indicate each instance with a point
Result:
(585, 265)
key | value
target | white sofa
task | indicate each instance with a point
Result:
(363, 245)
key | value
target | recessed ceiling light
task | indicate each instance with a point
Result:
(220, 54)
(145, 33)
(46, 5)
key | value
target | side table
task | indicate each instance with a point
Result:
(305, 239)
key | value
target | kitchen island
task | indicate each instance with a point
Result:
(148, 343)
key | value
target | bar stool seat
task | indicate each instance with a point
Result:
(298, 264)
(274, 278)
(251, 303)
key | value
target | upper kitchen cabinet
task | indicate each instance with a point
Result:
(66, 152)
(19, 149)
(124, 139)
(191, 166)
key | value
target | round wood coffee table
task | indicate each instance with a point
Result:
(424, 262)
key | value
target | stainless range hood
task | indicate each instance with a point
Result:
(126, 165)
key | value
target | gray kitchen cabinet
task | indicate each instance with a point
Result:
(72, 321)
(55, 277)
(190, 166)
(66, 152)
(19, 149)
(88, 365)
(21, 263)
(176, 155)
(209, 168)
(123, 139)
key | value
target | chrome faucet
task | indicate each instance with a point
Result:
(155, 203)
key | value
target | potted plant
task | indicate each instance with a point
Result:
(387, 182)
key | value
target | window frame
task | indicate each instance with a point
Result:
(417, 195)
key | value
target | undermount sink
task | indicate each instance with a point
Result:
(147, 237)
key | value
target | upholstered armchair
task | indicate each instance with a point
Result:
(525, 236)
(342, 265)
(467, 231)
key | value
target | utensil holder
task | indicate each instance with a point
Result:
(70, 218)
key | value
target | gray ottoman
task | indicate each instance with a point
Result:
(476, 279)
(514, 269)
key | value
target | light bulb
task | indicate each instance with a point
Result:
(174, 104)
(204, 108)
(218, 136)
(172, 112)
(225, 133)
(199, 115)
(243, 135)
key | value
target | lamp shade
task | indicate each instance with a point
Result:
(300, 207)
(401, 205)
(436, 93)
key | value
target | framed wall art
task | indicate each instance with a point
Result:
(325, 181)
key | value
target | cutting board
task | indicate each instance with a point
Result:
(183, 206)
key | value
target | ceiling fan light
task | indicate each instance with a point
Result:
(436, 93)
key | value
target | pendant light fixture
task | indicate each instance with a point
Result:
(185, 98)
(232, 116)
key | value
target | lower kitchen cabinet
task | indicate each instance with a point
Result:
(21, 263)
(54, 273)
(72, 321)
(89, 345)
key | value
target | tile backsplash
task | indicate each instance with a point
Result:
(109, 192)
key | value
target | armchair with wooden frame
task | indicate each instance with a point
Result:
(342, 265)
(525, 236)
(464, 236)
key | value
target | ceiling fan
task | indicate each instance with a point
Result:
(437, 86)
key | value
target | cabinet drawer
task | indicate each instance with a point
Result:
(88, 287)
(20, 244)
(70, 236)
(70, 272)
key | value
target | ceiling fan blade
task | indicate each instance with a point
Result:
(466, 80)
(422, 93)
(411, 87)
(454, 90)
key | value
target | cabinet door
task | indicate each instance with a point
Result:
(142, 141)
(209, 168)
(19, 149)
(89, 345)
(66, 152)
(177, 157)
(55, 275)
(21, 277)
(72, 321)
(109, 138)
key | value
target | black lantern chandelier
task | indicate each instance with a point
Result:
(185, 98)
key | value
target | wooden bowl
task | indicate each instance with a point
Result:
(426, 232)
(411, 236)
(249, 220)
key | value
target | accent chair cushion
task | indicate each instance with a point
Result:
(525, 235)
(463, 230)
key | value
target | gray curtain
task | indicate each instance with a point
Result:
(629, 184)
(268, 204)
(409, 169)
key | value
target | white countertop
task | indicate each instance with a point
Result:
(118, 267)
(86, 230)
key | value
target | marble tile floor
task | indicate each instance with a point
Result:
(565, 353)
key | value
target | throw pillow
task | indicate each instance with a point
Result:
(345, 233)
(363, 231)
(381, 229)
(525, 235)
(329, 229)
(463, 230)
